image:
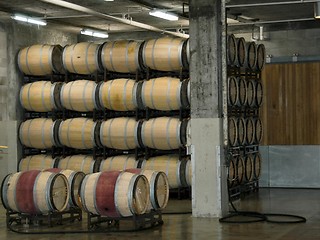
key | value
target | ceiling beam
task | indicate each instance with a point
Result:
(85, 10)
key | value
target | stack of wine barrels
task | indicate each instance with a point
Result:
(245, 93)
(74, 118)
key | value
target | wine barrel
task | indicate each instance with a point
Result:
(189, 173)
(188, 51)
(117, 94)
(81, 58)
(82, 163)
(249, 171)
(36, 162)
(232, 173)
(40, 133)
(159, 187)
(243, 92)
(233, 91)
(261, 57)
(74, 180)
(241, 52)
(163, 54)
(232, 131)
(242, 132)
(35, 192)
(77, 133)
(121, 56)
(258, 94)
(40, 60)
(250, 131)
(251, 93)
(251, 60)
(119, 133)
(258, 130)
(240, 169)
(164, 93)
(231, 50)
(121, 162)
(115, 194)
(79, 95)
(257, 165)
(164, 133)
(171, 166)
(40, 96)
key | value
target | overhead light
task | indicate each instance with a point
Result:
(231, 20)
(29, 20)
(108, 0)
(317, 10)
(164, 15)
(94, 33)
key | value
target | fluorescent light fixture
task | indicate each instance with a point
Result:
(94, 33)
(108, 0)
(317, 10)
(164, 15)
(230, 20)
(29, 20)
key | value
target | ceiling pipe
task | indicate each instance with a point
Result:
(82, 9)
(273, 21)
(270, 3)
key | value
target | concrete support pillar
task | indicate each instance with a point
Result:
(208, 77)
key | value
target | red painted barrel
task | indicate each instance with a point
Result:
(115, 194)
(35, 192)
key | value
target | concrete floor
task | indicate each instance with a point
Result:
(291, 201)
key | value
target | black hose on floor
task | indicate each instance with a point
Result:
(253, 217)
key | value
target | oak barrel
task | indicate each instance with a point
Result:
(121, 162)
(233, 91)
(251, 93)
(119, 133)
(82, 163)
(159, 187)
(115, 194)
(40, 133)
(163, 54)
(241, 52)
(233, 131)
(164, 133)
(81, 58)
(121, 56)
(74, 180)
(258, 130)
(261, 57)
(232, 172)
(36, 162)
(40, 96)
(240, 169)
(231, 50)
(258, 94)
(171, 166)
(241, 130)
(250, 130)
(79, 95)
(35, 192)
(249, 168)
(251, 60)
(40, 60)
(77, 133)
(164, 93)
(243, 92)
(257, 165)
(118, 94)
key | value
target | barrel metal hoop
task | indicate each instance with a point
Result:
(84, 96)
(111, 56)
(152, 56)
(130, 194)
(86, 58)
(169, 55)
(50, 55)
(4, 191)
(42, 95)
(151, 94)
(109, 95)
(124, 98)
(125, 133)
(109, 134)
(116, 190)
(40, 57)
(27, 61)
(180, 53)
(71, 55)
(29, 103)
(152, 133)
(127, 56)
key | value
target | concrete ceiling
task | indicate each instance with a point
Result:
(293, 15)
